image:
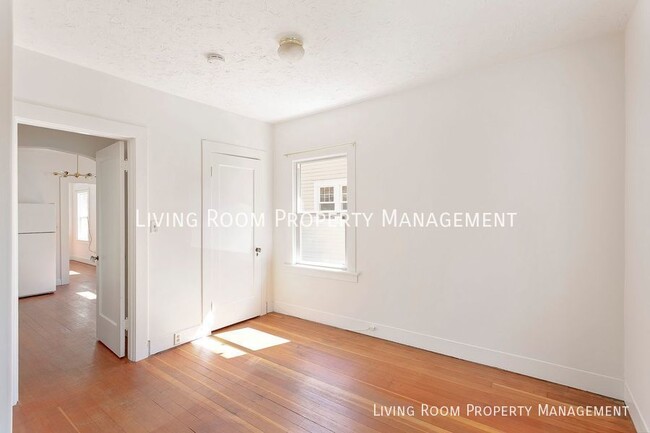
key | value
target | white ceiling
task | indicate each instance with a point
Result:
(64, 141)
(355, 49)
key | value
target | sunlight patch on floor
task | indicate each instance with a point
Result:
(73, 272)
(218, 347)
(251, 338)
(88, 295)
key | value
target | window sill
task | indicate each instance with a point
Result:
(314, 271)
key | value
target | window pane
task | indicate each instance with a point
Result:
(82, 229)
(316, 173)
(82, 215)
(323, 244)
(319, 190)
(327, 194)
(82, 204)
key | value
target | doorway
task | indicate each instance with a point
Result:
(58, 221)
(133, 192)
(82, 223)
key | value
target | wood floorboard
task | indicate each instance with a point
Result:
(319, 380)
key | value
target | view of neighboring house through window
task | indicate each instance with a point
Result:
(83, 213)
(332, 194)
(326, 198)
(321, 194)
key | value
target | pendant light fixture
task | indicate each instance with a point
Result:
(76, 174)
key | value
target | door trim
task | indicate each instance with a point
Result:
(138, 252)
(208, 147)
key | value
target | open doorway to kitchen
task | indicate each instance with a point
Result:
(62, 232)
(102, 155)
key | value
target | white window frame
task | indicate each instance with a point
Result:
(349, 271)
(78, 192)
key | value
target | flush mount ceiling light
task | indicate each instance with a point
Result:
(291, 49)
(215, 57)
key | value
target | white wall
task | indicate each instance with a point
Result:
(637, 206)
(175, 128)
(6, 193)
(542, 136)
(37, 184)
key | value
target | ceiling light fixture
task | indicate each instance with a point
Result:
(75, 174)
(215, 57)
(291, 49)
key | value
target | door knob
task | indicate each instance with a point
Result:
(258, 250)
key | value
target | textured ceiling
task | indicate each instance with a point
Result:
(355, 49)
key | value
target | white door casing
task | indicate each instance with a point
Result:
(28, 113)
(232, 285)
(111, 247)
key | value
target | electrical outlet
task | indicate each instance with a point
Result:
(177, 339)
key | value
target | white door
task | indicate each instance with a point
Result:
(232, 285)
(111, 248)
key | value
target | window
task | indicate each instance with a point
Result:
(322, 237)
(82, 215)
(326, 198)
(330, 193)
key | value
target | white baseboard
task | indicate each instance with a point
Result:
(574, 377)
(635, 413)
(83, 260)
(164, 342)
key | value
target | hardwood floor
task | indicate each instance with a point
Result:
(272, 374)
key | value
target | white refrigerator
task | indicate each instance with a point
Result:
(36, 249)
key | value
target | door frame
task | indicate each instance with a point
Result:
(208, 147)
(138, 246)
(68, 227)
(65, 225)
